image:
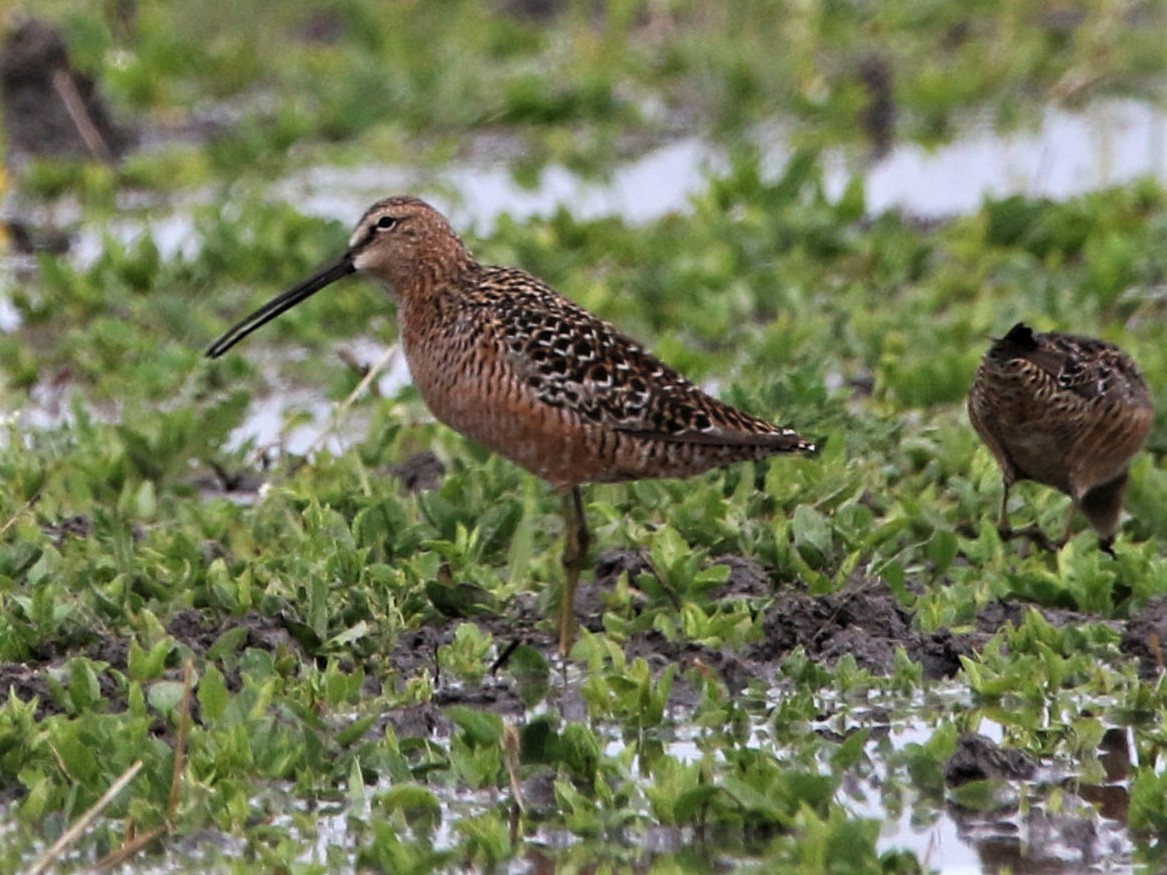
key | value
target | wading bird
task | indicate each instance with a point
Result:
(504, 359)
(1067, 411)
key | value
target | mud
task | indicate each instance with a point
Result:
(1078, 834)
(29, 683)
(978, 758)
(420, 472)
(36, 677)
(863, 620)
(417, 650)
(424, 720)
(1145, 636)
(26, 239)
(199, 633)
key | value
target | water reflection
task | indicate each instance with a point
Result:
(1112, 798)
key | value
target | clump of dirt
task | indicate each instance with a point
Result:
(978, 758)
(50, 108)
(26, 239)
(420, 472)
(423, 720)
(28, 683)
(1146, 635)
(198, 632)
(34, 680)
(417, 649)
(590, 596)
(191, 628)
(878, 118)
(610, 564)
(864, 620)
(497, 698)
(748, 579)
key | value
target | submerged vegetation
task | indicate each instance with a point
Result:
(785, 665)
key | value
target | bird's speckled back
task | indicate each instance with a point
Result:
(1062, 409)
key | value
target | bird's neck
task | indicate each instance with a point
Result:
(426, 302)
(428, 282)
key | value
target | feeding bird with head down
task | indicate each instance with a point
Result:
(1067, 411)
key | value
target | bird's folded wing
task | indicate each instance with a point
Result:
(568, 358)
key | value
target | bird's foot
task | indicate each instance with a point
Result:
(1032, 533)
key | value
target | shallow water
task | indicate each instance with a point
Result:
(1052, 829)
(1065, 153)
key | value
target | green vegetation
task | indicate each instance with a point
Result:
(405, 83)
(341, 628)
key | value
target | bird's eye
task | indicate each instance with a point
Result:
(386, 222)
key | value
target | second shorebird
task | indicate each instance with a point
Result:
(1067, 411)
(503, 358)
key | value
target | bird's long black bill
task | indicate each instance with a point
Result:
(281, 303)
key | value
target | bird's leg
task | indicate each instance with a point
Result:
(1069, 529)
(575, 552)
(1032, 532)
(1003, 527)
(1105, 543)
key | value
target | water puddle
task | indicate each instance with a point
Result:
(1066, 153)
(1069, 153)
(1047, 824)
(299, 421)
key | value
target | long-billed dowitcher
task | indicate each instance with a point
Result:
(503, 358)
(1067, 411)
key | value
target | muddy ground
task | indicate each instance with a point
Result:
(863, 620)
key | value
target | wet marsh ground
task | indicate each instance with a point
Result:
(829, 664)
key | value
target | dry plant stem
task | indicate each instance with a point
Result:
(341, 409)
(82, 823)
(75, 106)
(128, 850)
(116, 858)
(180, 745)
(16, 516)
(510, 748)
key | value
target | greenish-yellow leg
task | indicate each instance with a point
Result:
(1033, 531)
(1069, 529)
(575, 553)
(1003, 526)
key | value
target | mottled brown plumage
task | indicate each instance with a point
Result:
(1067, 411)
(503, 358)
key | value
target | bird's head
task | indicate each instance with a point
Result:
(402, 241)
